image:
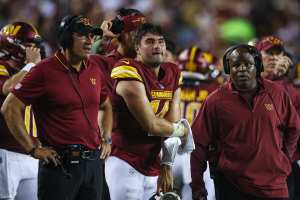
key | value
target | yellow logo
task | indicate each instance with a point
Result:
(11, 30)
(274, 40)
(93, 81)
(85, 21)
(207, 57)
(269, 106)
(161, 94)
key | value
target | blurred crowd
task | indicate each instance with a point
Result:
(212, 25)
(198, 32)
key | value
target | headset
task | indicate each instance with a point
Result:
(64, 33)
(251, 49)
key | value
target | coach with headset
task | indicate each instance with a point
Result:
(66, 91)
(251, 128)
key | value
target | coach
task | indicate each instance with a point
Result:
(253, 127)
(65, 92)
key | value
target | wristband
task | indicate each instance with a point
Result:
(178, 130)
(28, 67)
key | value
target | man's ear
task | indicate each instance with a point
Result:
(137, 49)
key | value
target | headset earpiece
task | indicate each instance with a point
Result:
(65, 35)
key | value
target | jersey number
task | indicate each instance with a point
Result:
(155, 105)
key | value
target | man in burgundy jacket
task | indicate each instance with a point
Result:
(252, 126)
(277, 63)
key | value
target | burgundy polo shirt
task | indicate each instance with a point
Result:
(65, 102)
(250, 144)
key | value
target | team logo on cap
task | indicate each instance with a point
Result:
(85, 21)
(274, 40)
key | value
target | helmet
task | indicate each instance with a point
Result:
(166, 196)
(197, 64)
(13, 38)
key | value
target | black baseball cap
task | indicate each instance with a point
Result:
(82, 25)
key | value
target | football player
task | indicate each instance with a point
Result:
(200, 78)
(19, 52)
(146, 102)
(119, 33)
(117, 43)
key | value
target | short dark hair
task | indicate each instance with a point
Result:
(147, 28)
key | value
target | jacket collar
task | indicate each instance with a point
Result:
(260, 81)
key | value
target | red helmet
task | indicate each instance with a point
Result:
(13, 39)
(197, 64)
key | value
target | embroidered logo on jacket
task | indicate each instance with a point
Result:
(269, 106)
(93, 81)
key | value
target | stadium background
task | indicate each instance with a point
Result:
(210, 24)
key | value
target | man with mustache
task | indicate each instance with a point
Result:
(66, 91)
(253, 127)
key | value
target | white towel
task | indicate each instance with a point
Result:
(190, 145)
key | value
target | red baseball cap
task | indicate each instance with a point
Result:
(268, 42)
(133, 21)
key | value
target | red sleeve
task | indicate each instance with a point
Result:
(203, 131)
(292, 125)
(32, 87)
(296, 99)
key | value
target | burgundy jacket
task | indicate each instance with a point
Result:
(251, 154)
(295, 97)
